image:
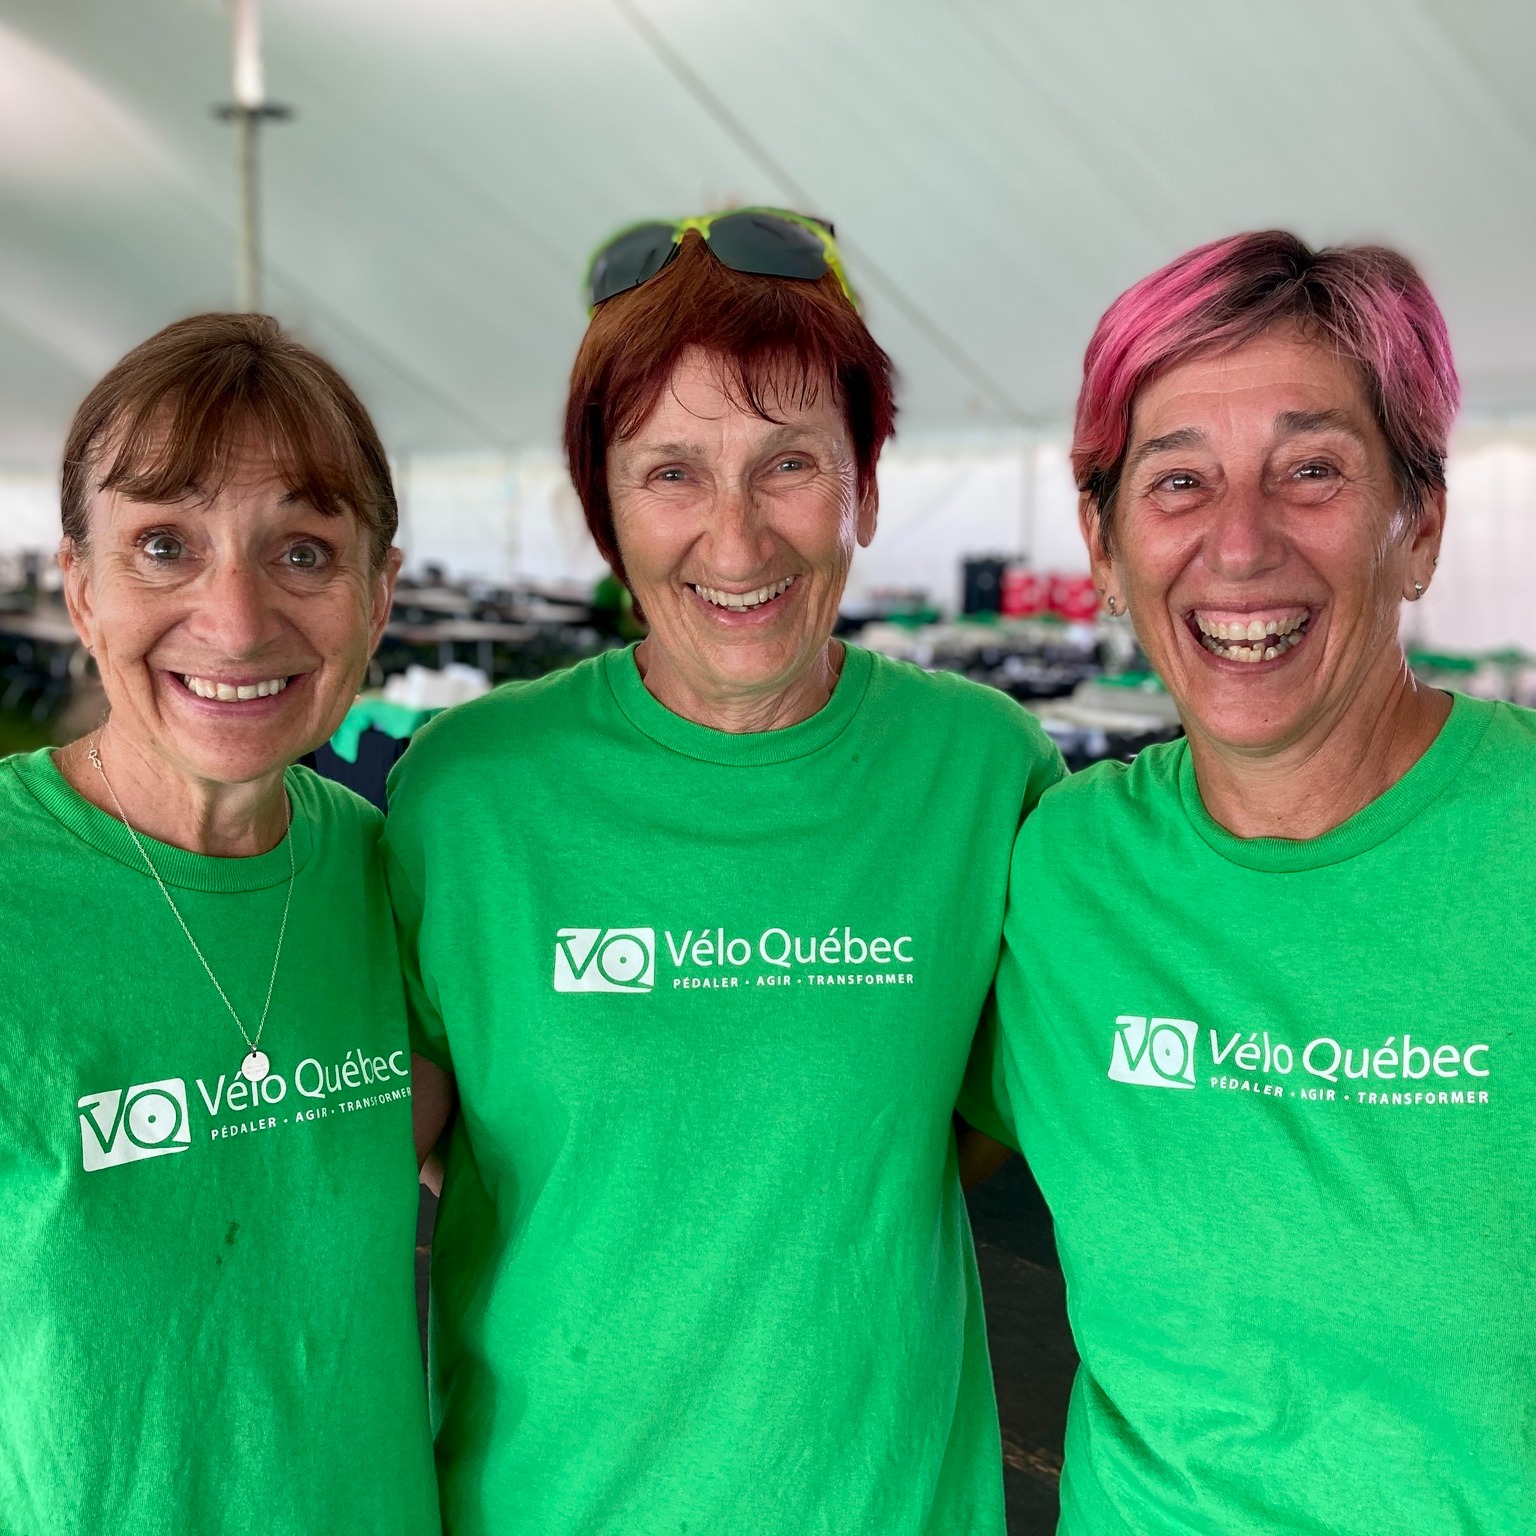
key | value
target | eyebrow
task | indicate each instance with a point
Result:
(1287, 424)
(682, 449)
(1185, 437)
(1292, 423)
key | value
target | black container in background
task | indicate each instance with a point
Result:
(376, 755)
(982, 584)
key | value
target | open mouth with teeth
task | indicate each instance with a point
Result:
(743, 602)
(231, 693)
(1251, 639)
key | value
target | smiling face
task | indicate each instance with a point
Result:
(736, 534)
(231, 634)
(1260, 543)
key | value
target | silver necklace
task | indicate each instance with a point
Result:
(255, 1066)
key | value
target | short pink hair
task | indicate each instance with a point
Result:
(1367, 302)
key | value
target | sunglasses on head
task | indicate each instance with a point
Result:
(771, 242)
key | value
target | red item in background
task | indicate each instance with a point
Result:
(1025, 592)
(1074, 598)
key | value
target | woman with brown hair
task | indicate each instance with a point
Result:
(205, 1163)
(701, 930)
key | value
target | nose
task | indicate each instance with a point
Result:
(236, 615)
(739, 545)
(1244, 538)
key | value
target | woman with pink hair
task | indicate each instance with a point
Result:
(1264, 1023)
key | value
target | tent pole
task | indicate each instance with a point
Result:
(249, 91)
(247, 111)
(248, 260)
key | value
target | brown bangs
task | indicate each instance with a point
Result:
(779, 342)
(173, 419)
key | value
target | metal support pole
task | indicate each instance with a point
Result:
(247, 174)
(247, 112)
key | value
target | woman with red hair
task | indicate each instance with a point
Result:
(701, 930)
(1262, 1019)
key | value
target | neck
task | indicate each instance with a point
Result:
(745, 710)
(229, 821)
(1312, 785)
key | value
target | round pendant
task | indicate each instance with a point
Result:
(255, 1066)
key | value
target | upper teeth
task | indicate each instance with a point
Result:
(741, 600)
(205, 689)
(1251, 639)
(1249, 629)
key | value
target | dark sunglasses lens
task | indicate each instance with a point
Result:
(627, 261)
(762, 243)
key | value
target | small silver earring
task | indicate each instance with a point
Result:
(1418, 590)
(1109, 603)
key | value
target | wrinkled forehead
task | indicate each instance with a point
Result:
(1279, 384)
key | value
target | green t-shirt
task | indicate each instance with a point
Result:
(1281, 1096)
(702, 1262)
(207, 1322)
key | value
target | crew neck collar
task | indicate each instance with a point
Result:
(749, 749)
(176, 866)
(1373, 824)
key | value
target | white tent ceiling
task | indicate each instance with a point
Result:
(999, 169)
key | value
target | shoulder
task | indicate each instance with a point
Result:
(1111, 792)
(516, 722)
(1511, 728)
(1501, 766)
(13, 771)
(949, 701)
(335, 813)
(34, 800)
(19, 806)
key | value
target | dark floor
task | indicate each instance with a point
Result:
(1032, 1355)
(1033, 1360)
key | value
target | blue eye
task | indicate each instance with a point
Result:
(304, 557)
(164, 546)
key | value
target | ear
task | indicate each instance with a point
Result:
(869, 513)
(77, 591)
(384, 596)
(1100, 561)
(1424, 542)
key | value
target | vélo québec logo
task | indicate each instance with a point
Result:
(1157, 1053)
(125, 1125)
(605, 959)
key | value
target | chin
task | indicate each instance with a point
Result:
(1243, 724)
(220, 760)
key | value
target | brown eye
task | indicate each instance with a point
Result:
(164, 547)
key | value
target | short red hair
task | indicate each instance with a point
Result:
(777, 337)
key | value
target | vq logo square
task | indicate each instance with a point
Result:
(605, 959)
(1159, 1053)
(126, 1125)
